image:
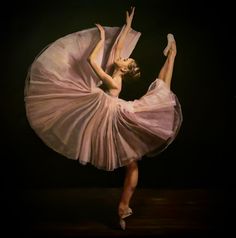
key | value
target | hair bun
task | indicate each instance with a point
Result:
(134, 70)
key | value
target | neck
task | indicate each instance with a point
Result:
(117, 73)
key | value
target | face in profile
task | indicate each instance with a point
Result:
(122, 63)
(128, 66)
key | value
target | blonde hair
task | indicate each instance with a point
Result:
(133, 70)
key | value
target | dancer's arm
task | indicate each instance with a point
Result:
(106, 78)
(127, 28)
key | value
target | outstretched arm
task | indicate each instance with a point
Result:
(127, 28)
(106, 78)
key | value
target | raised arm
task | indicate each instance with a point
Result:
(127, 28)
(106, 78)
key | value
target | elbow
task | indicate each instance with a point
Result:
(118, 49)
(91, 61)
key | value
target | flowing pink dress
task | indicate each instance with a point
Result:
(73, 116)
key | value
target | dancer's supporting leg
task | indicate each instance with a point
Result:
(130, 183)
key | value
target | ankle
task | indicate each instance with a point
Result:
(171, 55)
(122, 208)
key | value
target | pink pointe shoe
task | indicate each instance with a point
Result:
(170, 38)
(123, 215)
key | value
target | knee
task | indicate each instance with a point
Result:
(133, 165)
(132, 188)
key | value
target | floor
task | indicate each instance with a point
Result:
(91, 212)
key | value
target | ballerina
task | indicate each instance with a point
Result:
(72, 103)
(113, 84)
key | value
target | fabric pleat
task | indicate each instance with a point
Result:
(72, 115)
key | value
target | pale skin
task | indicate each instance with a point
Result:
(114, 84)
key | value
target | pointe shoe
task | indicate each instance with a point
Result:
(123, 215)
(170, 39)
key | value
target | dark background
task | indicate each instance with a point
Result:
(203, 81)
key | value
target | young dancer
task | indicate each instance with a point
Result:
(72, 102)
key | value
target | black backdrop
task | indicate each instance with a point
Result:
(199, 157)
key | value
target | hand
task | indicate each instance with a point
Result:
(129, 18)
(102, 31)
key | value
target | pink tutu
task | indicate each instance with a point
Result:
(73, 116)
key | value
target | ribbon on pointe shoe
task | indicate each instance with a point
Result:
(127, 213)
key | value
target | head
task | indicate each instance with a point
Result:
(128, 67)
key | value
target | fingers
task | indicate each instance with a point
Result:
(98, 25)
(129, 17)
(132, 12)
(102, 31)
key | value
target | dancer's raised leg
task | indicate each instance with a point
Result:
(167, 70)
